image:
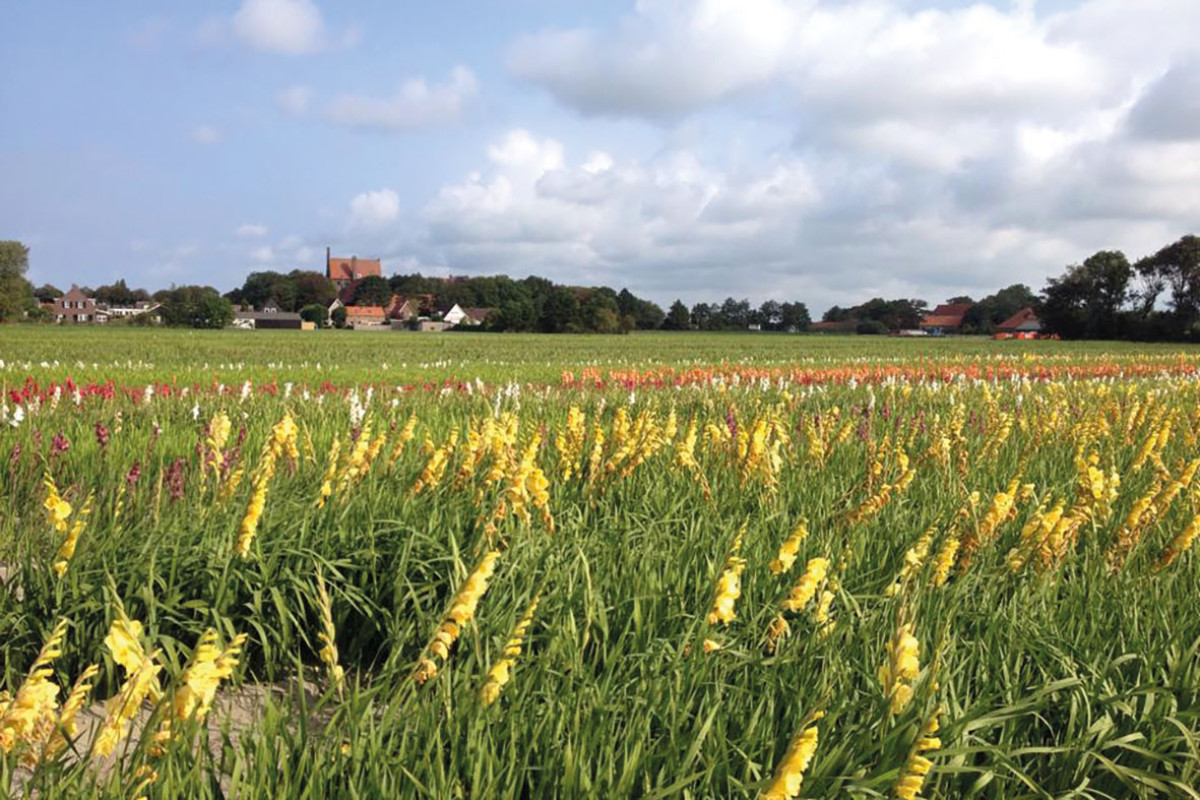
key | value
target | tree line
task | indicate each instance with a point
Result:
(1105, 297)
(1156, 298)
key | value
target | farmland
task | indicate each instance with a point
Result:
(349, 564)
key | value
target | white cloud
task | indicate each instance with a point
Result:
(416, 104)
(661, 62)
(251, 230)
(295, 99)
(933, 150)
(374, 209)
(618, 222)
(824, 226)
(206, 135)
(289, 27)
(861, 63)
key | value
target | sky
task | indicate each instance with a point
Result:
(826, 151)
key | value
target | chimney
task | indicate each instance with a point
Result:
(328, 274)
(354, 267)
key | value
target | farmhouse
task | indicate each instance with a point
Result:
(359, 317)
(403, 309)
(344, 271)
(75, 307)
(475, 317)
(1024, 321)
(946, 318)
(452, 315)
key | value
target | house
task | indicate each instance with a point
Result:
(267, 320)
(344, 271)
(946, 318)
(359, 317)
(403, 309)
(453, 314)
(75, 307)
(475, 317)
(141, 307)
(1024, 321)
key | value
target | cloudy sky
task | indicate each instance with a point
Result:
(817, 150)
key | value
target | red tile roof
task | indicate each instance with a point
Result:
(1025, 317)
(365, 311)
(947, 315)
(353, 268)
(75, 294)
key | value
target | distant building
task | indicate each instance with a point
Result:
(359, 317)
(75, 307)
(267, 320)
(344, 271)
(137, 309)
(403, 309)
(946, 318)
(476, 316)
(1024, 321)
(453, 314)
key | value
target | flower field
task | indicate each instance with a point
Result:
(662, 566)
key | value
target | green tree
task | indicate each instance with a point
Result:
(195, 307)
(338, 317)
(836, 314)
(16, 293)
(514, 314)
(794, 317)
(678, 318)
(312, 288)
(1177, 267)
(120, 295)
(372, 291)
(1086, 301)
(992, 310)
(262, 289)
(871, 327)
(409, 285)
(560, 311)
(733, 314)
(47, 293)
(600, 312)
(316, 314)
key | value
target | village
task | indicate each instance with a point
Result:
(363, 300)
(418, 312)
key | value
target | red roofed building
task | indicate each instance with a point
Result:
(403, 309)
(476, 316)
(364, 316)
(344, 271)
(947, 318)
(1024, 321)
